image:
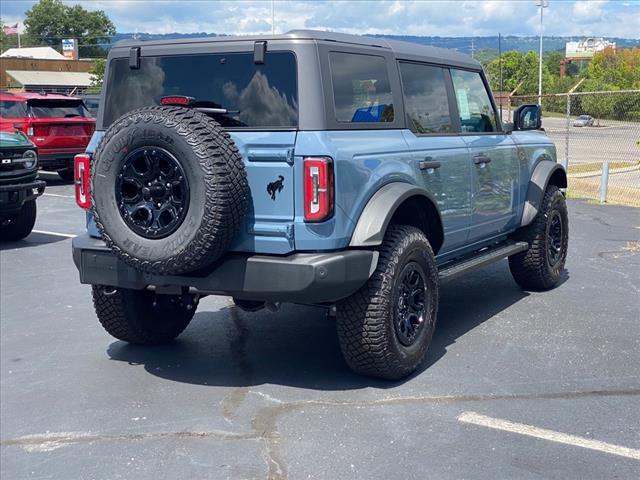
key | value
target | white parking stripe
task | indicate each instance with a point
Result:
(57, 195)
(57, 234)
(543, 433)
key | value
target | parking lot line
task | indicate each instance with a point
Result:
(57, 234)
(57, 195)
(543, 433)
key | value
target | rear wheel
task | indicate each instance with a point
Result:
(20, 225)
(141, 316)
(540, 267)
(386, 327)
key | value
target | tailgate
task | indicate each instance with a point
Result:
(54, 134)
(268, 159)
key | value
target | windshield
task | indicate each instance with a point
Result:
(253, 95)
(13, 109)
(13, 138)
(57, 109)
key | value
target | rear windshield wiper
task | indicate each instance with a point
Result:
(221, 111)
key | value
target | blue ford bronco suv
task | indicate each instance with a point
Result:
(311, 167)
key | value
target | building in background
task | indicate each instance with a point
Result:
(41, 53)
(583, 50)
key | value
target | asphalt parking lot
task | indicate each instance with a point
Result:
(515, 385)
(613, 140)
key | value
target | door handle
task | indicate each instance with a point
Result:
(481, 158)
(429, 164)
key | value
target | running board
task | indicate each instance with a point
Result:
(480, 259)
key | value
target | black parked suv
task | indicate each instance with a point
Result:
(19, 187)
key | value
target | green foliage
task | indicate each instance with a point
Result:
(619, 68)
(552, 62)
(518, 67)
(97, 73)
(49, 21)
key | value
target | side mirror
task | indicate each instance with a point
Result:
(527, 117)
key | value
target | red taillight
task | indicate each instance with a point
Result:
(318, 188)
(81, 165)
(179, 100)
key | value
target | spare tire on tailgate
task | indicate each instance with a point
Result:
(168, 189)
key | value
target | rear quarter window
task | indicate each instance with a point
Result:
(361, 88)
(13, 109)
(254, 95)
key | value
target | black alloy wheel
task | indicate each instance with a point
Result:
(411, 297)
(554, 238)
(152, 192)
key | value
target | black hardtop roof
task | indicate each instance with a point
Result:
(402, 50)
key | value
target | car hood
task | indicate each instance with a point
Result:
(14, 139)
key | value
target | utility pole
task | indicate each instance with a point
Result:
(273, 17)
(473, 47)
(542, 4)
(500, 62)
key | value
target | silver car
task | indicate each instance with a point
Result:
(583, 121)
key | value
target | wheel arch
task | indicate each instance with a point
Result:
(544, 174)
(399, 203)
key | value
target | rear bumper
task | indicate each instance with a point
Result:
(12, 197)
(296, 278)
(58, 158)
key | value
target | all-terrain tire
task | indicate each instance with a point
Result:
(20, 225)
(535, 268)
(140, 316)
(215, 175)
(366, 321)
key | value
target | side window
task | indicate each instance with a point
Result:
(361, 88)
(13, 109)
(425, 98)
(474, 105)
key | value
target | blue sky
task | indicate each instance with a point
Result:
(619, 18)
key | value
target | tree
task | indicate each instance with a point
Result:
(620, 68)
(552, 62)
(49, 21)
(518, 67)
(97, 73)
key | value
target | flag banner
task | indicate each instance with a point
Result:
(10, 29)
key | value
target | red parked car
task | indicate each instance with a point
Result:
(59, 125)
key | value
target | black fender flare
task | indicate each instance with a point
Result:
(542, 174)
(380, 209)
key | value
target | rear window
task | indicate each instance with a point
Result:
(253, 95)
(57, 109)
(13, 109)
(361, 88)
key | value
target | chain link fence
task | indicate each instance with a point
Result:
(597, 137)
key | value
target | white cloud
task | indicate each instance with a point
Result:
(397, 17)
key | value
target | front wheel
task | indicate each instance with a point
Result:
(541, 266)
(141, 316)
(20, 225)
(386, 327)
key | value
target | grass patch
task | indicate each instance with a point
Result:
(596, 167)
